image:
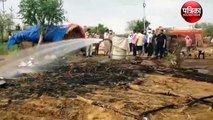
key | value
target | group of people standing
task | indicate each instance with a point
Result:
(150, 43)
(107, 39)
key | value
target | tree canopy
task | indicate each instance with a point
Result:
(98, 29)
(42, 12)
(137, 25)
(207, 27)
(6, 22)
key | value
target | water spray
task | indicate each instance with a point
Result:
(30, 60)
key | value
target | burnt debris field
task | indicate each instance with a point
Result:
(79, 88)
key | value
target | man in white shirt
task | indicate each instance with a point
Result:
(106, 35)
(107, 43)
(130, 41)
(150, 48)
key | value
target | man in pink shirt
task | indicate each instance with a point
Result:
(134, 43)
(188, 43)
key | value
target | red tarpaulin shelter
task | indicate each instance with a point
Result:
(196, 35)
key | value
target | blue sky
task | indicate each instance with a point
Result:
(116, 13)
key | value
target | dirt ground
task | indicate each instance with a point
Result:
(199, 64)
(100, 89)
(206, 64)
(2, 57)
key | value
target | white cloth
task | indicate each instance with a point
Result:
(120, 42)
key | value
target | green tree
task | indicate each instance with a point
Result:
(42, 12)
(207, 27)
(137, 25)
(209, 30)
(197, 25)
(101, 29)
(98, 29)
(6, 22)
